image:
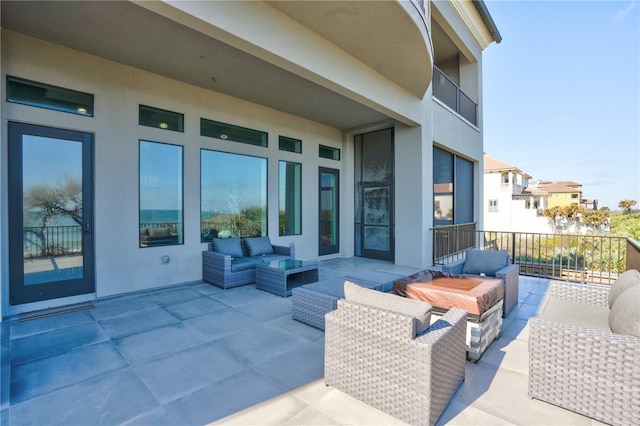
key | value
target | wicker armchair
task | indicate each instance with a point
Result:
(373, 355)
(584, 368)
(509, 274)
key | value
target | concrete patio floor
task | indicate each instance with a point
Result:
(194, 354)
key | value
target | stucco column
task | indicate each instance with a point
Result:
(414, 195)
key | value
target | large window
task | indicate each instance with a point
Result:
(290, 198)
(452, 188)
(161, 219)
(233, 195)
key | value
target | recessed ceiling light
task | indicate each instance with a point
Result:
(223, 136)
(82, 110)
(163, 125)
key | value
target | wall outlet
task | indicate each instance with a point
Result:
(165, 259)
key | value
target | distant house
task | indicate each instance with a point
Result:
(558, 194)
(514, 203)
(507, 207)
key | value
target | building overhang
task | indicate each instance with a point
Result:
(168, 39)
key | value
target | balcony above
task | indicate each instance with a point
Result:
(391, 37)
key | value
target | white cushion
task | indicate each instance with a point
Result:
(626, 280)
(624, 317)
(418, 309)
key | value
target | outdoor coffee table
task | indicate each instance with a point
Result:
(482, 298)
(281, 276)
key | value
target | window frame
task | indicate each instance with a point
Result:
(179, 227)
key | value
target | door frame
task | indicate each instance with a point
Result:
(324, 249)
(19, 293)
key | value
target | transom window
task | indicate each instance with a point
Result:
(42, 95)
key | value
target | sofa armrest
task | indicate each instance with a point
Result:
(219, 260)
(589, 294)
(284, 250)
(453, 267)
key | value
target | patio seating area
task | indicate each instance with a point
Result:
(195, 354)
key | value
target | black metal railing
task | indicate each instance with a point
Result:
(581, 258)
(451, 239)
(451, 95)
(49, 241)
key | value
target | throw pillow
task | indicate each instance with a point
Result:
(230, 246)
(258, 246)
(624, 317)
(418, 309)
(486, 262)
(626, 280)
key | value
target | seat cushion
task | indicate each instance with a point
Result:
(230, 246)
(576, 313)
(624, 317)
(486, 262)
(626, 280)
(419, 310)
(258, 246)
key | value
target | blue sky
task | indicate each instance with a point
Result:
(562, 94)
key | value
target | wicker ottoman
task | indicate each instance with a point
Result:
(480, 334)
(310, 303)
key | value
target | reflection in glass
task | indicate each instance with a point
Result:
(43, 95)
(161, 219)
(442, 187)
(290, 198)
(328, 211)
(233, 195)
(52, 209)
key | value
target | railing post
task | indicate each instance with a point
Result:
(513, 247)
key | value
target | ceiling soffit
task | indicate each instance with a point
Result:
(126, 33)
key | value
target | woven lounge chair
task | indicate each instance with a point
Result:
(375, 356)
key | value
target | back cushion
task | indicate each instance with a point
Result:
(624, 317)
(418, 309)
(625, 280)
(257, 246)
(486, 262)
(230, 246)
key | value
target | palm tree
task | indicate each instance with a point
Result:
(626, 205)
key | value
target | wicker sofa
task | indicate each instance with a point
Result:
(376, 355)
(490, 263)
(584, 349)
(231, 262)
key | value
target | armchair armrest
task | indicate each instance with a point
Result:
(590, 294)
(453, 267)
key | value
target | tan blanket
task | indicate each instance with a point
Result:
(475, 295)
